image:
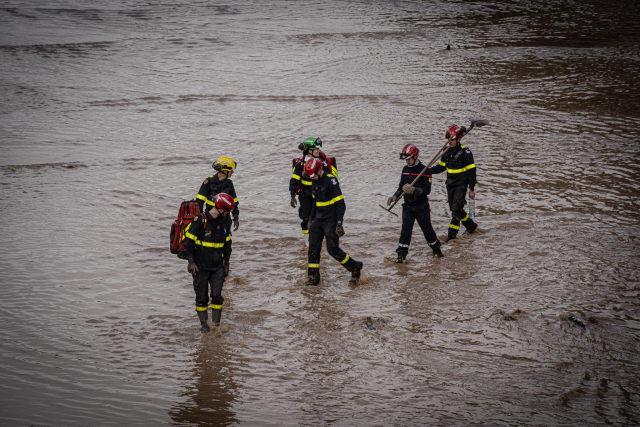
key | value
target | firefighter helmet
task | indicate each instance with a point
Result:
(312, 167)
(224, 164)
(455, 132)
(224, 202)
(409, 150)
(310, 144)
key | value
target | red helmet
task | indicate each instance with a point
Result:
(312, 167)
(455, 132)
(224, 202)
(409, 150)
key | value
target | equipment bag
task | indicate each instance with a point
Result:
(330, 161)
(188, 211)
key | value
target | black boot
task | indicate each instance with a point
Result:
(452, 234)
(202, 315)
(437, 253)
(355, 273)
(216, 315)
(470, 226)
(314, 277)
(401, 257)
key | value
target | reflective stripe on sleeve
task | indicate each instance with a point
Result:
(294, 176)
(201, 197)
(464, 169)
(306, 182)
(330, 202)
(189, 235)
(345, 259)
(210, 202)
(441, 163)
(235, 200)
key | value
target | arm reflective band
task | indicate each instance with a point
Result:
(235, 200)
(229, 237)
(334, 171)
(441, 163)
(306, 182)
(464, 169)
(210, 202)
(189, 235)
(294, 176)
(201, 197)
(330, 202)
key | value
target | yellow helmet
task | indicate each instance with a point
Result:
(224, 164)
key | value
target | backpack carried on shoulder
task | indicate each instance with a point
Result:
(187, 213)
(331, 163)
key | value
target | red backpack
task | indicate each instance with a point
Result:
(188, 211)
(331, 161)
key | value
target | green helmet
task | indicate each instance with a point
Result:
(310, 144)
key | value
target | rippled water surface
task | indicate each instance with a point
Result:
(112, 113)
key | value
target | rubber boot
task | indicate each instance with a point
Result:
(355, 273)
(401, 258)
(470, 226)
(314, 277)
(437, 253)
(202, 315)
(216, 315)
(452, 234)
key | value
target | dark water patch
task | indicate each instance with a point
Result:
(140, 14)
(360, 36)
(86, 14)
(14, 11)
(48, 50)
(182, 99)
(224, 9)
(373, 324)
(41, 166)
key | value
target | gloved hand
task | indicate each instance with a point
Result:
(192, 267)
(340, 230)
(294, 202)
(408, 188)
(391, 200)
(225, 268)
(236, 222)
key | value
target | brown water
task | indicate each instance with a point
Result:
(112, 114)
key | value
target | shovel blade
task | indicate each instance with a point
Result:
(479, 122)
(388, 210)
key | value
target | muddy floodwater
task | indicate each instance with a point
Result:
(111, 114)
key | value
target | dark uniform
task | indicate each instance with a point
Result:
(208, 242)
(416, 207)
(209, 189)
(304, 197)
(327, 212)
(461, 173)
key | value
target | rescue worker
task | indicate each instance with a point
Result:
(207, 243)
(300, 183)
(416, 203)
(327, 213)
(216, 184)
(461, 173)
